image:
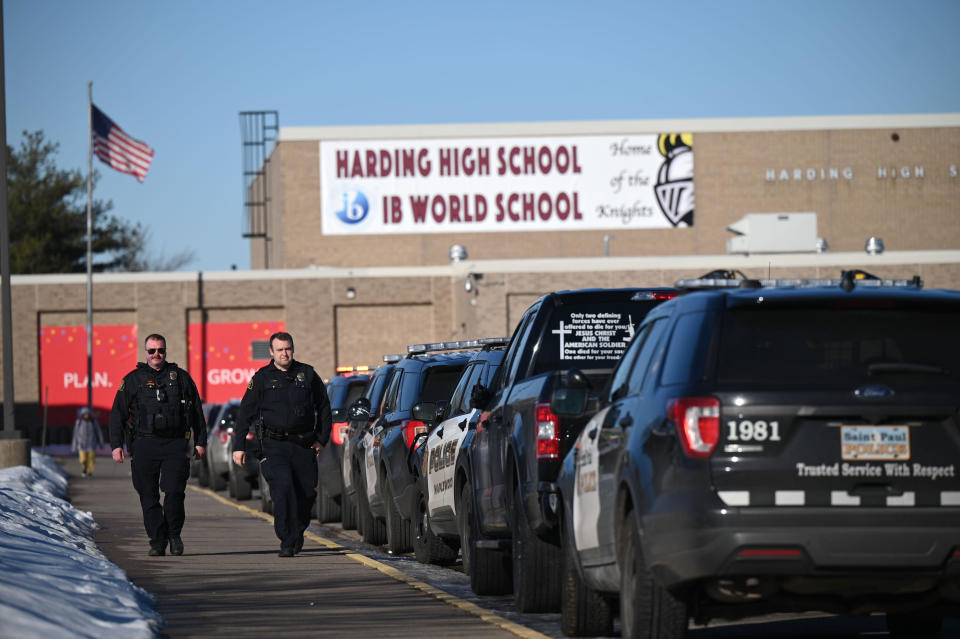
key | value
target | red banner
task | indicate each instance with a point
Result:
(63, 368)
(221, 356)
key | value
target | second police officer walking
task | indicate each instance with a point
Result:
(160, 402)
(287, 403)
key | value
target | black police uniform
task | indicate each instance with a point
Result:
(162, 408)
(294, 412)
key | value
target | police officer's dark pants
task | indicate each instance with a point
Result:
(161, 463)
(291, 471)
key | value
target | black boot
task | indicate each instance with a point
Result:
(176, 545)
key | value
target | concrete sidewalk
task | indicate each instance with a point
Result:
(230, 582)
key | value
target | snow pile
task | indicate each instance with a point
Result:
(54, 581)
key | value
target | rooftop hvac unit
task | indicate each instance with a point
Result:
(774, 233)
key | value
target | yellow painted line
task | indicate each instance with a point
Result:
(467, 606)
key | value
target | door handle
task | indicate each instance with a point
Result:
(626, 421)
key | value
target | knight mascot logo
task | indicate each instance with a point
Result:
(674, 187)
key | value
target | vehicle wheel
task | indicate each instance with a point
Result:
(373, 530)
(583, 611)
(398, 529)
(266, 502)
(647, 609)
(914, 625)
(202, 472)
(489, 570)
(240, 488)
(536, 565)
(348, 510)
(428, 547)
(217, 481)
(327, 507)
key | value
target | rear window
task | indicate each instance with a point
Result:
(831, 346)
(439, 383)
(589, 336)
(342, 392)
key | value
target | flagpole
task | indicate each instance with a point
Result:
(90, 245)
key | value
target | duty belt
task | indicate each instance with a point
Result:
(282, 435)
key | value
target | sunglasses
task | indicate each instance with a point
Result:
(151, 351)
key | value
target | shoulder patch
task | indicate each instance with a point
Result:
(122, 382)
(250, 384)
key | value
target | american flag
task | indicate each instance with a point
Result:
(116, 148)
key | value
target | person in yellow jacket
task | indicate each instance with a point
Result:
(87, 437)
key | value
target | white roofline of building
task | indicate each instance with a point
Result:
(617, 127)
(703, 263)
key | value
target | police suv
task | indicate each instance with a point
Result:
(442, 470)
(343, 389)
(361, 416)
(772, 446)
(419, 392)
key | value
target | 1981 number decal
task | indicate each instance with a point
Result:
(758, 430)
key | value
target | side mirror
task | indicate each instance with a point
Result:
(425, 412)
(570, 396)
(360, 409)
(480, 396)
(339, 415)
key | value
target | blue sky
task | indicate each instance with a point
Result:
(176, 73)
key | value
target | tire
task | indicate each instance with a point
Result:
(201, 472)
(374, 531)
(266, 501)
(240, 487)
(647, 609)
(398, 529)
(217, 481)
(489, 570)
(428, 547)
(327, 507)
(348, 510)
(583, 611)
(536, 565)
(914, 625)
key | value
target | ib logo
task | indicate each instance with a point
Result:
(355, 207)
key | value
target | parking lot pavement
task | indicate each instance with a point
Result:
(230, 582)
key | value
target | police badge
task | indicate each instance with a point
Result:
(300, 376)
(173, 374)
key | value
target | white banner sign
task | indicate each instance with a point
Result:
(470, 185)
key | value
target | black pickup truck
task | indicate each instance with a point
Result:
(565, 346)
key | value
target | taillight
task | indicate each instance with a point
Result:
(338, 432)
(411, 428)
(698, 422)
(250, 437)
(548, 432)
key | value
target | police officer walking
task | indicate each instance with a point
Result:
(160, 402)
(287, 403)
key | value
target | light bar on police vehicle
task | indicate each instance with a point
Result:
(849, 280)
(396, 357)
(352, 369)
(494, 341)
(416, 349)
